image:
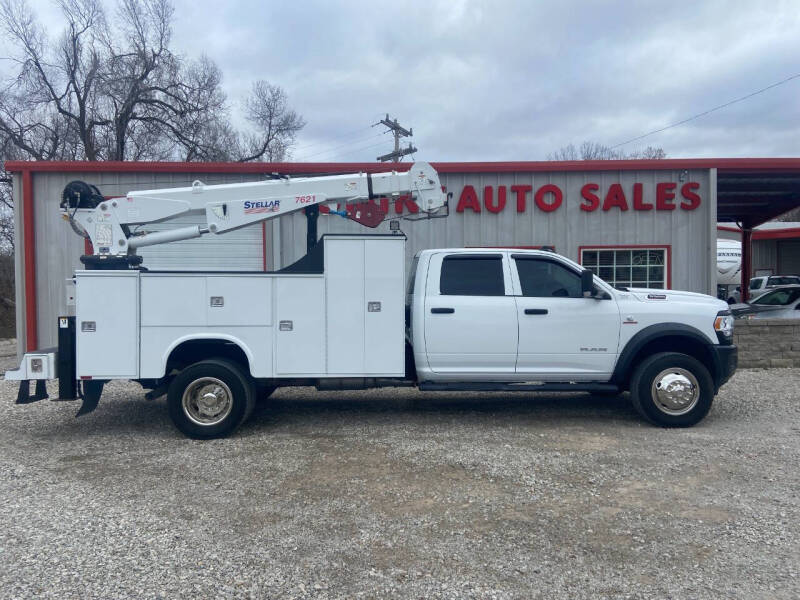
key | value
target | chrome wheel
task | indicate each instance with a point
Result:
(207, 401)
(675, 391)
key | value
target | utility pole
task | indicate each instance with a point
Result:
(398, 132)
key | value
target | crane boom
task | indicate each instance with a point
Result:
(106, 222)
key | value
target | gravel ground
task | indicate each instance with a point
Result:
(397, 494)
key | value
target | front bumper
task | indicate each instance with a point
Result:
(726, 359)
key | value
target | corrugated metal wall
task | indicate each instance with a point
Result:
(690, 234)
(789, 257)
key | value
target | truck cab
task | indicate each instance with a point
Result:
(526, 319)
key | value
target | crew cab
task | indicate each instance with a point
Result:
(513, 319)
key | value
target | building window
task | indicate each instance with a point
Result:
(629, 267)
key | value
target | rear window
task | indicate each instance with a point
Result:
(756, 283)
(783, 280)
(472, 276)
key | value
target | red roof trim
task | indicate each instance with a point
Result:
(790, 233)
(737, 165)
(777, 234)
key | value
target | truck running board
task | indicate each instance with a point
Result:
(461, 386)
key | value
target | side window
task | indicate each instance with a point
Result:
(547, 279)
(755, 283)
(472, 276)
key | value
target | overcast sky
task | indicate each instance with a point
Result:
(496, 80)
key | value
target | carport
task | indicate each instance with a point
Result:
(751, 192)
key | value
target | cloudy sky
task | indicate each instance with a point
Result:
(501, 80)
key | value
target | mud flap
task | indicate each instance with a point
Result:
(92, 390)
(24, 393)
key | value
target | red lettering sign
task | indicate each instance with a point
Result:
(590, 201)
(665, 194)
(615, 197)
(638, 203)
(468, 199)
(520, 191)
(687, 191)
(539, 198)
(550, 197)
(501, 199)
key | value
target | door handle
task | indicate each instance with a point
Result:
(535, 311)
(443, 311)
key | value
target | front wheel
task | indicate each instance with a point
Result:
(210, 398)
(672, 389)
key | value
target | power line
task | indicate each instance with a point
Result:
(343, 136)
(350, 143)
(353, 133)
(709, 111)
(360, 149)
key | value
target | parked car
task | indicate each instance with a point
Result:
(760, 285)
(779, 303)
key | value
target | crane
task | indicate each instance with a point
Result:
(111, 223)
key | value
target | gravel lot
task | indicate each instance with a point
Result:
(399, 494)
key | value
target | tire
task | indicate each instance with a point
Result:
(690, 382)
(233, 391)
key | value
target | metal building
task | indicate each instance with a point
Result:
(641, 222)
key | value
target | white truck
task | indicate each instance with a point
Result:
(343, 318)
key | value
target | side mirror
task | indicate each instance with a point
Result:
(587, 283)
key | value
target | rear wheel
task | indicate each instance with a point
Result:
(210, 398)
(672, 389)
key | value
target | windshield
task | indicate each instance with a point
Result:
(779, 297)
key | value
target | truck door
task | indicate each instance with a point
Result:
(470, 315)
(562, 335)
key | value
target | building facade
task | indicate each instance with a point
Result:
(640, 223)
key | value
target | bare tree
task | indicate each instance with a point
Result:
(110, 88)
(275, 123)
(595, 151)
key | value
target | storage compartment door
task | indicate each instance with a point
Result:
(300, 313)
(344, 273)
(107, 326)
(384, 301)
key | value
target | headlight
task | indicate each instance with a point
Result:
(723, 325)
